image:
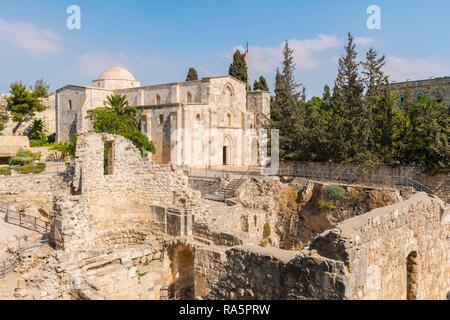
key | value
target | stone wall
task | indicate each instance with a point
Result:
(205, 185)
(375, 248)
(365, 257)
(120, 199)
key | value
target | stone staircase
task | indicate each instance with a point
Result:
(229, 191)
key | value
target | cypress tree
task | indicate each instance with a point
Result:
(349, 108)
(192, 75)
(238, 67)
(287, 108)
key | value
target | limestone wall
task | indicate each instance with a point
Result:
(120, 199)
(375, 248)
(204, 185)
(365, 257)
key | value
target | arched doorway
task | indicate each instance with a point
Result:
(227, 151)
(255, 152)
(412, 274)
(182, 265)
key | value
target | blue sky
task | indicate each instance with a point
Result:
(159, 40)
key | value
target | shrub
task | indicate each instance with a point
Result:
(266, 230)
(30, 168)
(326, 205)
(5, 171)
(38, 143)
(265, 208)
(334, 192)
(24, 157)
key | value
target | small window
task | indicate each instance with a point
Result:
(189, 97)
(69, 105)
(161, 119)
(108, 156)
(158, 99)
(229, 120)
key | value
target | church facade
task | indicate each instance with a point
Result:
(212, 122)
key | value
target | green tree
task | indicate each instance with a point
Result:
(379, 106)
(41, 89)
(348, 104)
(118, 118)
(23, 104)
(37, 132)
(238, 67)
(287, 109)
(261, 84)
(192, 75)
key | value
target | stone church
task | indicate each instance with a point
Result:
(212, 122)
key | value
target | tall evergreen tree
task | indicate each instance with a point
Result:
(378, 106)
(238, 67)
(192, 75)
(349, 107)
(287, 108)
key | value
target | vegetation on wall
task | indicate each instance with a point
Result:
(361, 121)
(118, 118)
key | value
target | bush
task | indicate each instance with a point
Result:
(38, 143)
(326, 205)
(265, 208)
(334, 192)
(5, 171)
(266, 230)
(32, 168)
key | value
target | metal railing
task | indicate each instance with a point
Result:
(11, 263)
(355, 177)
(23, 220)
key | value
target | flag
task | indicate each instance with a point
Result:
(246, 52)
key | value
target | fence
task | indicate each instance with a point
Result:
(329, 172)
(23, 220)
(11, 263)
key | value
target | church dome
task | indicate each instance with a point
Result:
(117, 73)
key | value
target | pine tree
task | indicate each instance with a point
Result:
(378, 106)
(256, 85)
(349, 108)
(192, 75)
(263, 84)
(238, 67)
(287, 108)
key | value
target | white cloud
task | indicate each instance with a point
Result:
(28, 37)
(93, 64)
(364, 41)
(266, 59)
(402, 69)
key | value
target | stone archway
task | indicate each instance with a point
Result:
(182, 267)
(227, 150)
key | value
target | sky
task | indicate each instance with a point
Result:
(159, 40)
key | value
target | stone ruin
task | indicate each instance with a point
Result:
(125, 228)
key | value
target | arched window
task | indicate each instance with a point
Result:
(198, 117)
(158, 99)
(228, 96)
(189, 97)
(69, 105)
(161, 119)
(228, 120)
